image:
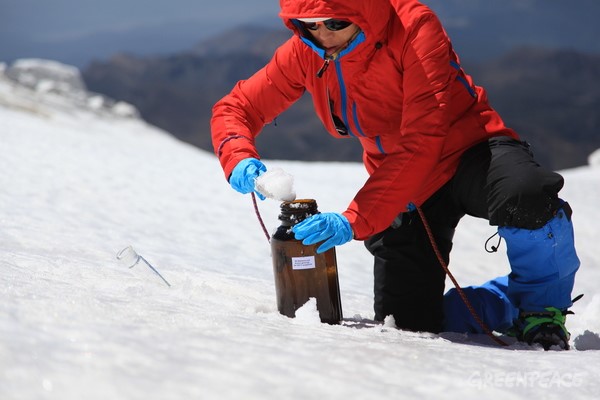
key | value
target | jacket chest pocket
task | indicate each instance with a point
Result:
(377, 118)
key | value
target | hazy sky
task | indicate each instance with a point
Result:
(69, 19)
(76, 31)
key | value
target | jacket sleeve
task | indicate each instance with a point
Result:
(240, 116)
(414, 151)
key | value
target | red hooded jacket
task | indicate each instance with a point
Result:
(398, 88)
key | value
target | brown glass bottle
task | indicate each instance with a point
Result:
(301, 273)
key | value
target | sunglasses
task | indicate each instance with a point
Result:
(330, 24)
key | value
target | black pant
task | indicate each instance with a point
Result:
(498, 180)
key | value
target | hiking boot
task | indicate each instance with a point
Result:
(543, 327)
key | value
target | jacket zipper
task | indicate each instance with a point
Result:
(344, 96)
(344, 99)
(323, 68)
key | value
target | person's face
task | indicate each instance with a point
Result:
(331, 40)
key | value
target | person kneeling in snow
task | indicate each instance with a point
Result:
(384, 72)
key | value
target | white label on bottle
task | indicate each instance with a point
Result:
(303, 262)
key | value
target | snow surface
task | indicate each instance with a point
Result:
(78, 186)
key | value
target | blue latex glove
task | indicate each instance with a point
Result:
(333, 228)
(243, 177)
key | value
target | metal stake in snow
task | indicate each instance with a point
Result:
(131, 258)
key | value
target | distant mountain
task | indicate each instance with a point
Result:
(80, 50)
(253, 39)
(551, 97)
(486, 29)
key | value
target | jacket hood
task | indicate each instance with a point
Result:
(372, 16)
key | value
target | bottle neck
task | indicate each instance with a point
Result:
(293, 212)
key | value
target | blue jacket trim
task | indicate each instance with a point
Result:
(344, 96)
(355, 117)
(379, 144)
(312, 45)
(462, 80)
(357, 40)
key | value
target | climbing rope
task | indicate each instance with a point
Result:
(262, 224)
(462, 294)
